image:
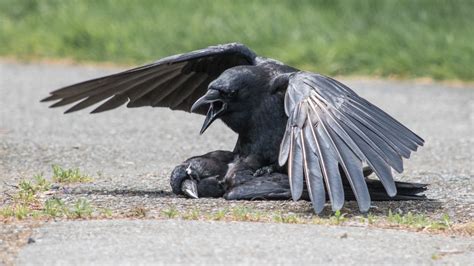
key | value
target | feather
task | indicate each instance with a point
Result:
(341, 131)
(111, 103)
(108, 89)
(177, 97)
(380, 167)
(313, 175)
(139, 84)
(285, 146)
(392, 139)
(295, 167)
(352, 167)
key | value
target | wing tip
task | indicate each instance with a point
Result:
(96, 110)
(391, 192)
(73, 109)
(318, 207)
(68, 111)
(364, 205)
(282, 160)
(56, 104)
(337, 206)
(50, 98)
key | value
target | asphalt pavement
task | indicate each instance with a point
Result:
(134, 150)
(209, 243)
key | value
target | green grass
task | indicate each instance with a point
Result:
(29, 202)
(61, 175)
(54, 207)
(288, 218)
(338, 217)
(171, 212)
(81, 209)
(419, 221)
(28, 199)
(192, 215)
(407, 38)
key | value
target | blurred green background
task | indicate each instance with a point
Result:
(406, 38)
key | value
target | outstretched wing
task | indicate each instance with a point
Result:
(175, 82)
(332, 130)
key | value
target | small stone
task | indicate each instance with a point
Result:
(345, 235)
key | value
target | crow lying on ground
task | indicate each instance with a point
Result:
(300, 134)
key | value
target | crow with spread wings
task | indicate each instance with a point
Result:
(300, 134)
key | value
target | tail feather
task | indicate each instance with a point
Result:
(405, 191)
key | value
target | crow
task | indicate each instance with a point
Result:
(300, 134)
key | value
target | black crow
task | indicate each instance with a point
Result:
(300, 134)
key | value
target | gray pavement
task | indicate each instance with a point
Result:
(132, 151)
(193, 242)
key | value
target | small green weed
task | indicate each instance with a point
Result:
(28, 190)
(338, 218)
(19, 211)
(61, 175)
(171, 212)
(54, 207)
(105, 212)
(241, 213)
(81, 209)
(288, 218)
(220, 215)
(192, 215)
(419, 221)
(25, 201)
(41, 183)
(371, 219)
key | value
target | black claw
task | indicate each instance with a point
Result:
(265, 170)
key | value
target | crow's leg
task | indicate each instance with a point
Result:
(200, 176)
(241, 170)
(268, 169)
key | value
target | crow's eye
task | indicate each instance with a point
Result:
(232, 93)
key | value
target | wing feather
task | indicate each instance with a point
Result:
(164, 83)
(394, 141)
(295, 168)
(312, 170)
(338, 131)
(285, 146)
(330, 169)
(352, 167)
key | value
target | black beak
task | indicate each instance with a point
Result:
(190, 189)
(216, 108)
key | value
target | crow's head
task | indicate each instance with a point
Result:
(233, 95)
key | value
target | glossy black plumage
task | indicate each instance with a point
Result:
(306, 125)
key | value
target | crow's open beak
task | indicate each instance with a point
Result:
(189, 188)
(216, 108)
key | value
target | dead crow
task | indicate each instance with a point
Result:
(300, 134)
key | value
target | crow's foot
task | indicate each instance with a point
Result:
(269, 169)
